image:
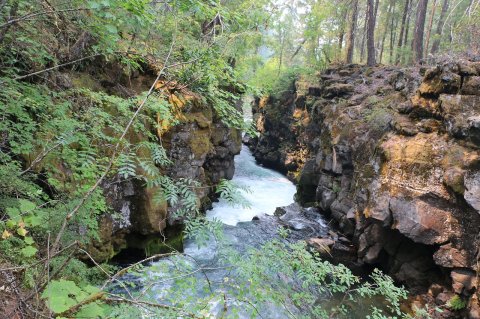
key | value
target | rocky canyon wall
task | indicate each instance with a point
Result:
(393, 157)
(199, 146)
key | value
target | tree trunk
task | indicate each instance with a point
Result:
(364, 36)
(371, 34)
(351, 32)
(419, 31)
(393, 34)
(300, 46)
(441, 22)
(407, 29)
(282, 46)
(402, 31)
(341, 34)
(384, 37)
(377, 2)
(429, 29)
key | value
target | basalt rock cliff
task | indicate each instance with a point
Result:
(393, 157)
(199, 146)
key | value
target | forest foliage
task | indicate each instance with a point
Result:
(312, 34)
(55, 151)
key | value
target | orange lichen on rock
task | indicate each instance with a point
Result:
(178, 97)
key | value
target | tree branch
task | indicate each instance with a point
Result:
(74, 309)
(33, 15)
(56, 67)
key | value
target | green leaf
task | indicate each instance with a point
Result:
(22, 231)
(58, 294)
(29, 251)
(111, 28)
(28, 240)
(60, 303)
(10, 224)
(14, 214)
(63, 294)
(91, 289)
(33, 220)
(26, 205)
(93, 310)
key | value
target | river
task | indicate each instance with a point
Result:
(197, 278)
(268, 189)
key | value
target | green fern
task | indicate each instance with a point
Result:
(126, 165)
(159, 155)
(150, 169)
(232, 194)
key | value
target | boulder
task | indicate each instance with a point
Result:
(467, 68)
(202, 148)
(474, 311)
(429, 125)
(471, 85)
(463, 280)
(338, 90)
(472, 190)
(315, 90)
(292, 210)
(424, 107)
(294, 217)
(437, 82)
(322, 245)
(449, 256)
(460, 113)
(454, 179)
(422, 221)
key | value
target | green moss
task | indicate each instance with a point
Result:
(200, 142)
(85, 81)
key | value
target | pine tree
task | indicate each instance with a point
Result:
(371, 34)
(351, 32)
(419, 31)
(441, 22)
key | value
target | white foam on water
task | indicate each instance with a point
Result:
(267, 190)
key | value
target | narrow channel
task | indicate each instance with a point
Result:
(267, 190)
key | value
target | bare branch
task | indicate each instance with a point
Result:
(33, 15)
(74, 309)
(56, 67)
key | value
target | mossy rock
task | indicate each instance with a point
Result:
(86, 81)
